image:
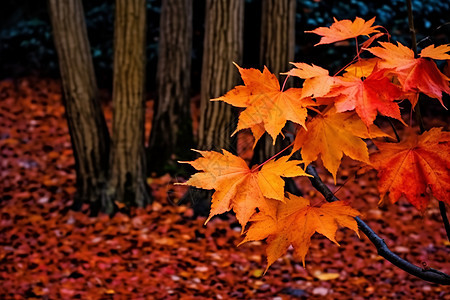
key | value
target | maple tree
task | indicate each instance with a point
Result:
(335, 115)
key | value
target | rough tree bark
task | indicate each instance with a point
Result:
(87, 126)
(223, 44)
(277, 34)
(127, 181)
(172, 128)
(276, 51)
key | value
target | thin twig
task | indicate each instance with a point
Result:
(428, 274)
(412, 31)
(273, 157)
(395, 130)
(444, 218)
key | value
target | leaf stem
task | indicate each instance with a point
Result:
(428, 274)
(344, 67)
(273, 157)
(346, 181)
(444, 218)
(284, 83)
(357, 49)
(395, 130)
(316, 110)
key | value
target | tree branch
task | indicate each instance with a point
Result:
(427, 274)
(444, 218)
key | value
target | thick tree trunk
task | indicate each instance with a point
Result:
(277, 50)
(127, 181)
(277, 34)
(87, 126)
(172, 127)
(222, 45)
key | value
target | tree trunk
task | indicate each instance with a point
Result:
(127, 181)
(277, 50)
(87, 126)
(172, 127)
(277, 35)
(223, 45)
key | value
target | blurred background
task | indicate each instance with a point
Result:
(26, 44)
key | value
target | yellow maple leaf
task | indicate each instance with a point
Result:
(333, 135)
(439, 52)
(237, 186)
(295, 224)
(265, 104)
(317, 81)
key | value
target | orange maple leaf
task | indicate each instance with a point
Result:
(296, 223)
(317, 81)
(415, 74)
(333, 135)
(408, 168)
(264, 102)
(344, 29)
(239, 188)
(367, 96)
(361, 68)
(439, 52)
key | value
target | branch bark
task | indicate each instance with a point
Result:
(428, 274)
(444, 218)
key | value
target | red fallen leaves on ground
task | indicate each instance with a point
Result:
(162, 252)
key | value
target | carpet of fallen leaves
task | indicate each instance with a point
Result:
(48, 251)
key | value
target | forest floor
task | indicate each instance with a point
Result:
(48, 251)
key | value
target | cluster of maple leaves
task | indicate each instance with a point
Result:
(48, 251)
(334, 114)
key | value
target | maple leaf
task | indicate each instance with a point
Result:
(296, 223)
(257, 131)
(415, 74)
(344, 29)
(374, 94)
(264, 102)
(239, 188)
(317, 81)
(439, 52)
(333, 135)
(361, 68)
(408, 168)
